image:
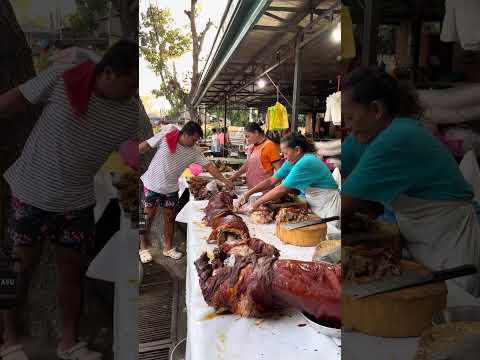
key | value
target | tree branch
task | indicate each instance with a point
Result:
(202, 34)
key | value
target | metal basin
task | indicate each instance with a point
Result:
(322, 329)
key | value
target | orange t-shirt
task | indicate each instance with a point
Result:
(270, 154)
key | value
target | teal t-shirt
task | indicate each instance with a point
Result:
(352, 151)
(406, 159)
(308, 172)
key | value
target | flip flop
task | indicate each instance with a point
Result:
(173, 253)
(145, 256)
(80, 351)
(14, 352)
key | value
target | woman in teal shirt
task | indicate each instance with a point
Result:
(407, 170)
(302, 171)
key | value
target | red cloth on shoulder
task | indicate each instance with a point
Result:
(79, 86)
(172, 139)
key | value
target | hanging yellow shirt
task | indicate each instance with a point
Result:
(348, 41)
(279, 118)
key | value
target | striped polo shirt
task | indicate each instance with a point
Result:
(64, 151)
(166, 168)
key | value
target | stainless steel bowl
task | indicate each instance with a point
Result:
(456, 314)
(322, 329)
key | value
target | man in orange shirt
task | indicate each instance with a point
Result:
(264, 157)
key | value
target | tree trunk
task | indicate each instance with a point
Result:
(197, 44)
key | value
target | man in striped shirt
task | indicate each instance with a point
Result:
(176, 150)
(88, 111)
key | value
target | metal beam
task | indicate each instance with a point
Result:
(284, 29)
(291, 9)
(297, 84)
(272, 45)
(278, 18)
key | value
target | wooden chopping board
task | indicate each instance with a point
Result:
(403, 313)
(306, 236)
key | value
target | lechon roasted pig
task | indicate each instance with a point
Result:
(253, 282)
(293, 215)
(262, 216)
(220, 204)
(248, 247)
(362, 262)
(229, 226)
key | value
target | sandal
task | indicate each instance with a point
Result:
(79, 351)
(145, 256)
(14, 352)
(173, 253)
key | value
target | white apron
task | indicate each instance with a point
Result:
(324, 202)
(441, 234)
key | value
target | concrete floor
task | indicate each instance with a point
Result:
(96, 327)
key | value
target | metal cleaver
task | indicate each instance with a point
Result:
(408, 279)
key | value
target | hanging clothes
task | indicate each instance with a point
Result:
(278, 117)
(348, 40)
(333, 112)
(460, 23)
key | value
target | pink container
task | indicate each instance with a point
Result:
(195, 169)
(454, 145)
(129, 153)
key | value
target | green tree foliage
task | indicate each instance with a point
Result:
(234, 117)
(160, 44)
(84, 19)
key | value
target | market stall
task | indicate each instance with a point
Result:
(265, 57)
(412, 44)
(217, 336)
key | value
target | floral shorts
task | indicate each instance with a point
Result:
(154, 200)
(73, 229)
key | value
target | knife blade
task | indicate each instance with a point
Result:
(309, 223)
(408, 279)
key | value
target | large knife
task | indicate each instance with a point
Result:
(309, 223)
(408, 279)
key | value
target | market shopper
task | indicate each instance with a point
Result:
(223, 141)
(302, 171)
(176, 150)
(264, 157)
(88, 106)
(406, 169)
(214, 138)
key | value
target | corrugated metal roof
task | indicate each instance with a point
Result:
(254, 36)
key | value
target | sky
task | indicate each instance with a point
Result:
(31, 9)
(212, 9)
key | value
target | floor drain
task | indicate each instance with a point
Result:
(157, 313)
(161, 354)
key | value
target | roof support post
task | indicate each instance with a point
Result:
(297, 84)
(225, 128)
(370, 32)
(205, 125)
